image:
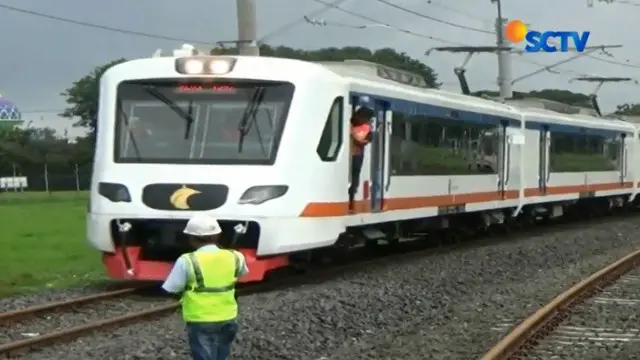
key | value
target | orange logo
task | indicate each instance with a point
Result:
(515, 31)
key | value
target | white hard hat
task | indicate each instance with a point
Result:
(202, 225)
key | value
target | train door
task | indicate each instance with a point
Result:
(544, 172)
(623, 155)
(515, 147)
(504, 159)
(380, 161)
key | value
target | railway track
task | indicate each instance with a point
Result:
(37, 325)
(16, 347)
(404, 252)
(595, 319)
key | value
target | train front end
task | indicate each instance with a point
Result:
(185, 134)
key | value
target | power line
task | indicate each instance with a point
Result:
(420, 35)
(416, 13)
(424, 16)
(301, 20)
(425, 36)
(284, 28)
(452, 9)
(406, 31)
(101, 27)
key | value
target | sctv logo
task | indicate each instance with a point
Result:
(516, 32)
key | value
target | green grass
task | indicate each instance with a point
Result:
(10, 197)
(43, 242)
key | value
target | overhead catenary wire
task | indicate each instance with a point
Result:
(102, 27)
(406, 31)
(301, 20)
(420, 35)
(425, 16)
(286, 27)
(457, 11)
(279, 30)
(432, 18)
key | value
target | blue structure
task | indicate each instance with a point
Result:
(10, 116)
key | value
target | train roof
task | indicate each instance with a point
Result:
(395, 80)
(575, 119)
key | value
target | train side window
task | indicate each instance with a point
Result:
(579, 152)
(332, 138)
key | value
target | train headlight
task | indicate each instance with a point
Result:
(256, 195)
(114, 192)
(219, 66)
(193, 66)
(205, 65)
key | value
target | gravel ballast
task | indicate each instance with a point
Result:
(445, 306)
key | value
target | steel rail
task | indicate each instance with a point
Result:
(543, 319)
(33, 310)
(77, 331)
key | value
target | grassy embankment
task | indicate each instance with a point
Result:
(43, 242)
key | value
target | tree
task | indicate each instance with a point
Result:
(30, 148)
(628, 109)
(386, 56)
(82, 96)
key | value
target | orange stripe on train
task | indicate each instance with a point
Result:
(328, 209)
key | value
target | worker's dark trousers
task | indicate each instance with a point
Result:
(211, 341)
(356, 168)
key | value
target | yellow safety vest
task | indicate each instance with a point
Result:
(210, 292)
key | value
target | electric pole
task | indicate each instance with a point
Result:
(504, 57)
(247, 28)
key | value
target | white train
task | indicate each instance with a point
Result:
(264, 142)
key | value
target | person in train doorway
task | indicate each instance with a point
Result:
(360, 137)
(205, 280)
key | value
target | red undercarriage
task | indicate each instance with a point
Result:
(159, 270)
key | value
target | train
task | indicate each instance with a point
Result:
(262, 144)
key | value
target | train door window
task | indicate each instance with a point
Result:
(398, 143)
(332, 137)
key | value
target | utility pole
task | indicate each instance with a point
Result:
(247, 28)
(504, 57)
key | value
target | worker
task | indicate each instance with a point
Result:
(360, 137)
(205, 279)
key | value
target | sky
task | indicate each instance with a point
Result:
(42, 57)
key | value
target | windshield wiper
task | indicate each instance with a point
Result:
(186, 116)
(125, 118)
(249, 115)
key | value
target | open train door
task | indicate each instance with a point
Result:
(380, 158)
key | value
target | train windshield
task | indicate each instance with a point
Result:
(200, 122)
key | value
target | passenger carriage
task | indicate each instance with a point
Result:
(263, 143)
